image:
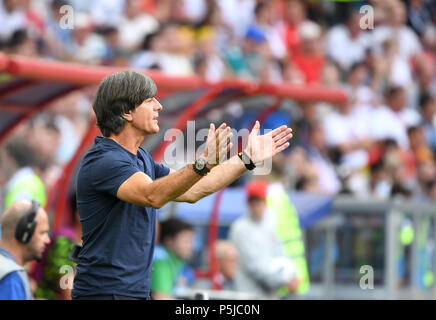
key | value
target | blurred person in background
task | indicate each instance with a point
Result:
(107, 12)
(175, 249)
(135, 25)
(12, 18)
(284, 222)
(26, 182)
(394, 27)
(346, 44)
(238, 15)
(380, 182)
(392, 120)
(175, 58)
(295, 14)
(398, 70)
(228, 264)
(348, 133)
(264, 267)
(88, 47)
(265, 20)
(419, 148)
(309, 59)
(33, 165)
(360, 93)
(317, 152)
(427, 105)
(209, 63)
(21, 44)
(25, 234)
(59, 40)
(420, 15)
(149, 55)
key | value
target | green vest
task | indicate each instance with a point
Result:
(31, 185)
(288, 232)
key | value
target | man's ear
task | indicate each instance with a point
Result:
(128, 116)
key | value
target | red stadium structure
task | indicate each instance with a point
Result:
(28, 86)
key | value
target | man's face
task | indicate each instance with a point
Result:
(181, 244)
(40, 238)
(144, 117)
(229, 263)
(398, 101)
(257, 207)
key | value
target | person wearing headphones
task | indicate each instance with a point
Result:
(25, 234)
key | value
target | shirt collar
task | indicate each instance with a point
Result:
(7, 254)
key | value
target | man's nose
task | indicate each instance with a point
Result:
(158, 105)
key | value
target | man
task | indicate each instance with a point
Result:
(264, 267)
(391, 121)
(228, 263)
(176, 237)
(119, 186)
(24, 237)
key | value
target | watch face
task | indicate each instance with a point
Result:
(200, 164)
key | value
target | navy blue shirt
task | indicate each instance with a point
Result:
(118, 237)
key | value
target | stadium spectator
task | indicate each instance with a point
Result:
(176, 241)
(394, 27)
(25, 231)
(12, 18)
(428, 110)
(392, 121)
(317, 151)
(264, 268)
(228, 262)
(265, 21)
(27, 181)
(309, 59)
(348, 133)
(346, 44)
(295, 15)
(135, 25)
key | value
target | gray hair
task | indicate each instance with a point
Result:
(118, 94)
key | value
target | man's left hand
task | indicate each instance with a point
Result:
(262, 147)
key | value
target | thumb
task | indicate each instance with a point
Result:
(211, 130)
(256, 128)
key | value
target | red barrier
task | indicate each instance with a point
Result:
(86, 75)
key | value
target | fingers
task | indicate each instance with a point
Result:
(224, 142)
(283, 139)
(280, 140)
(219, 143)
(256, 128)
(281, 148)
(280, 130)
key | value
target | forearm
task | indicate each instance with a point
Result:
(168, 188)
(218, 178)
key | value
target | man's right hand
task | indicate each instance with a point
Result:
(217, 145)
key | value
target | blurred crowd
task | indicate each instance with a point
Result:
(381, 143)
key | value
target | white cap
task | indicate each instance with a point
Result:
(309, 30)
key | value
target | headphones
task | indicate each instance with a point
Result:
(27, 224)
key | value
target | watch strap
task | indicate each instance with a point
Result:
(249, 164)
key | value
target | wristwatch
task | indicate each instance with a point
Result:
(200, 167)
(249, 164)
